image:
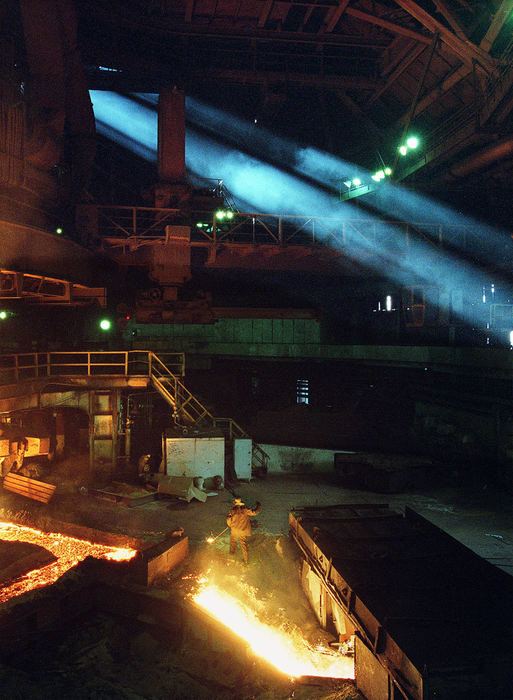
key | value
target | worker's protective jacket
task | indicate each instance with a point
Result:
(238, 519)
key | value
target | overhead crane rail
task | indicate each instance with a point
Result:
(128, 228)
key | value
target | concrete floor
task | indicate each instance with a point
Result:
(482, 519)
(101, 658)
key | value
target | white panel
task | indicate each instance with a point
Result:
(180, 456)
(195, 457)
(209, 457)
(242, 457)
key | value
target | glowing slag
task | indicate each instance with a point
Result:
(68, 550)
(289, 653)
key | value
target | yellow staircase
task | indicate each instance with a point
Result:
(118, 369)
(188, 411)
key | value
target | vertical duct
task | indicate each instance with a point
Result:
(171, 136)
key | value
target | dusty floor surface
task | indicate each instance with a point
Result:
(104, 657)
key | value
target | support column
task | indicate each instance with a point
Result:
(103, 433)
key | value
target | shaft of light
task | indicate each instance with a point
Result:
(267, 187)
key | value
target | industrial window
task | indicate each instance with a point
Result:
(302, 391)
(387, 305)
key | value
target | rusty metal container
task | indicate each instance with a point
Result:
(430, 618)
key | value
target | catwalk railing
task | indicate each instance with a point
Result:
(163, 371)
(17, 367)
(128, 228)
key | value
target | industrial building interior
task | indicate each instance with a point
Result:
(260, 250)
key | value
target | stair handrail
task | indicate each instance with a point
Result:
(259, 454)
(159, 373)
(17, 367)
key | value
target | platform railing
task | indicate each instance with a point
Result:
(18, 367)
(128, 228)
(164, 371)
(188, 411)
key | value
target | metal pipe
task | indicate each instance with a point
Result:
(213, 539)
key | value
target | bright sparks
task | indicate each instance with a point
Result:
(68, 550)
(292, 655)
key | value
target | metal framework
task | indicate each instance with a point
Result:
(40, 289)
(126, 229)
(163, 372)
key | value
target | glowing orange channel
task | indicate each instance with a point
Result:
(68, 550)
(287, 651)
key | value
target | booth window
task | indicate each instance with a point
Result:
(302, 391)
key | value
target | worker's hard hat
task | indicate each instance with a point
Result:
(238, 502)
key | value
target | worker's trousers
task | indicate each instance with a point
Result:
(243, 539)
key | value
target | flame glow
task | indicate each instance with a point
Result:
(68, 550)
(289, 653)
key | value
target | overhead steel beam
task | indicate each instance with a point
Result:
(465, 49)
(454, 77)
(266, 9)
(406, 62)
(443, 86)
(499, 20)
(391, 26)
(237, 33)
(365, 121)
(336, 14)
(444, 10)
(397, 51)
(189, 9)
(332, 82)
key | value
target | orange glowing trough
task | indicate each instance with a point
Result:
(285, 649)
(68, 550)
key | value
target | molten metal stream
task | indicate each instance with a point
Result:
(289, 653)
(68, 550)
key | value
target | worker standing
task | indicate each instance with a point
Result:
(239, 522)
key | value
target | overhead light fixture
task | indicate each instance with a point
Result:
(347, 183)
(105, 324)
(403, 150)
(357, 182)
(388, 171)
(3, 315)
(224, 214)
(412, 142)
